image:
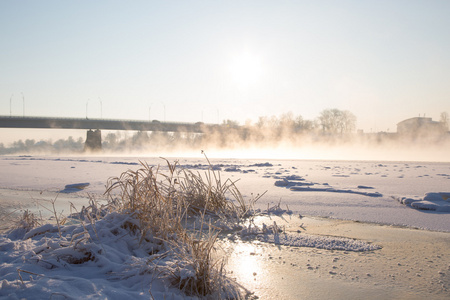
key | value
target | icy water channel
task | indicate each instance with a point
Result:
(411, 264)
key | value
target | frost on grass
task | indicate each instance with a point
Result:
(153, 239)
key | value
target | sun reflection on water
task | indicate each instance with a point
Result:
(245, 263)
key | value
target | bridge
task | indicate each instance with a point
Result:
(94, 126)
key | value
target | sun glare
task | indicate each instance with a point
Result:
(246, 69)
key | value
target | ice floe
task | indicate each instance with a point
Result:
(439, 202)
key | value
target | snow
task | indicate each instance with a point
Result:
(274, 234)
(365, 191)
(103, 260)
(439, 202)
(106, 263)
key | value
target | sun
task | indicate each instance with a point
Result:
(246, 69)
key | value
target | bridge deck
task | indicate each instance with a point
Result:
(106, 124)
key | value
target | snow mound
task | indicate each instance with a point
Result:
(439, 202)
(106, 259)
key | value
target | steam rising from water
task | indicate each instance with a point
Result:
(432, 153)
(267, 141)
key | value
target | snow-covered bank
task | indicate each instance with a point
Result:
(44, 264)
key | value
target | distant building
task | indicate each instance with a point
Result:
(420, 127)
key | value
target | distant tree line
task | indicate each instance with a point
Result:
(331, 126)
(68, 145)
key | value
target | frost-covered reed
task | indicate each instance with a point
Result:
(180, 208)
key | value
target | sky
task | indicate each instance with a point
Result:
(190, 61)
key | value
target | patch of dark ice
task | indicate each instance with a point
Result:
(364, 187)
(444, 175)
(294, 178)
(266, 164)
(287, 183)
(333, 190)
(283, 182)
(75, 187)
(232, 169)
(297, 184)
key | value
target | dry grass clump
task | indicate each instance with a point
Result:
(27, 221)
(149, 192)
(179, 209)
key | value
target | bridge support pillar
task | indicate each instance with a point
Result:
(93, 140)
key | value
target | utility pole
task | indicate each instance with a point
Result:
(149, 112)
(23, 98)
(10, 110)
(101, 108)
(164, 106)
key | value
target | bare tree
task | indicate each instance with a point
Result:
(444, 119)
(335, 121)
(348, 122)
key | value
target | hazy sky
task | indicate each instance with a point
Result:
(385, 61)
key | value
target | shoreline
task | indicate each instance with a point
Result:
(413, 263)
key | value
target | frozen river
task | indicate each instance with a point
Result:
(389, 201)
(365, 191)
